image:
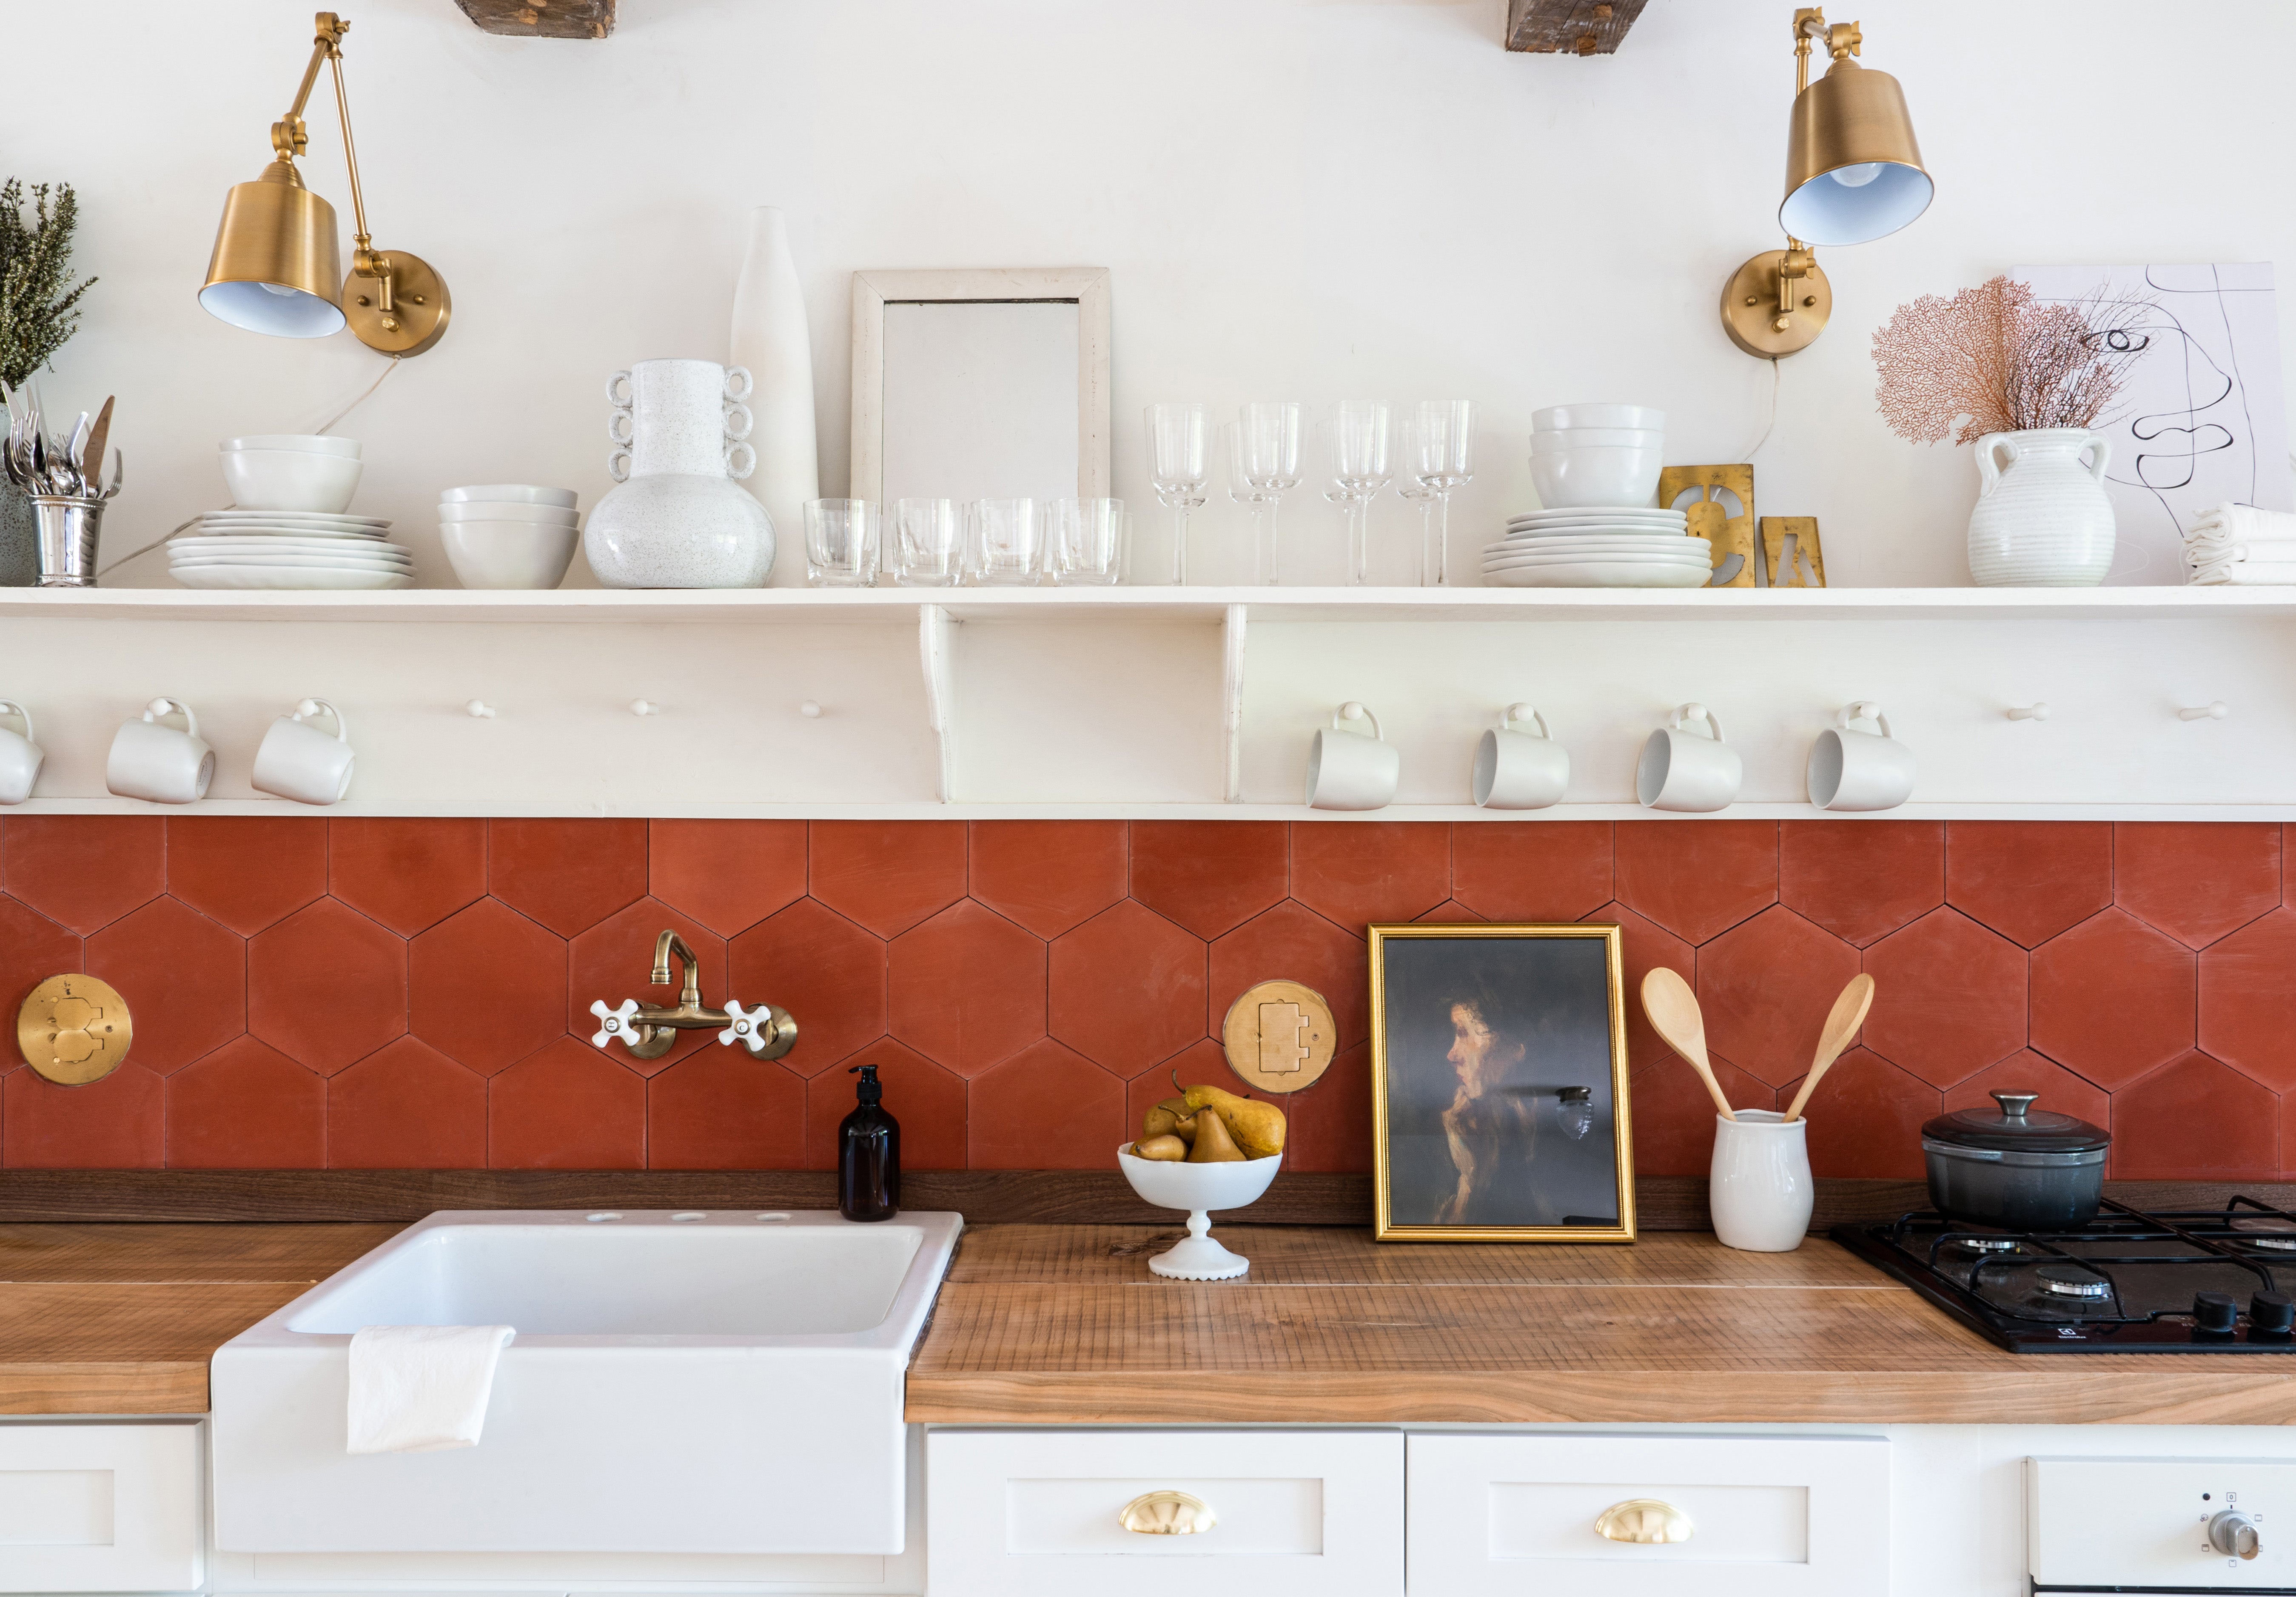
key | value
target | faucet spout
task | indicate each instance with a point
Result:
(665, 946)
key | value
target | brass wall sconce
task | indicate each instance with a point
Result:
(276, 267)
(1854, 173)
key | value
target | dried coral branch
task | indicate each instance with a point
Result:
(1992, 359)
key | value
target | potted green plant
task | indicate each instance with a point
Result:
(39, 311)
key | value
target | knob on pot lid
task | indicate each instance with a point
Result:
(2016, 1127)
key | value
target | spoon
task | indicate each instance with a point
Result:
(1673, 1010)
(1848, 1014)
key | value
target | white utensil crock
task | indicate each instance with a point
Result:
(1760, 1191)
(300, 762)
(1514, 770)
(153, 761)
(1853, 770)
(19, 757)
(1680, 771)
(1348, 771)
(2043, 518)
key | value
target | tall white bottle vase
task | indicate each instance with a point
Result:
(771, 339)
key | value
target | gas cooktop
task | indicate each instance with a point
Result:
(2187, 1281)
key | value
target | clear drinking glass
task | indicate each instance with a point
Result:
(840, 541)
(1004, 542)
(1360, 468)
(1441, 458)
(1265, 461)
(927, 542)
(1084, 539)
(1177, 471)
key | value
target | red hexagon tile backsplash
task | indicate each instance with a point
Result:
(381, 994)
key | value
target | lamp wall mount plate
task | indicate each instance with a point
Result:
(74, 1029)
(1771, 317)
(418, 317)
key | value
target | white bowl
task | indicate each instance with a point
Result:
(508, 554)
(1198, 1189)
(510, 493)
(287, 479)
(1554, 418)
(541, 515)
(1580, 437)
(1596, 475)
(295, 443)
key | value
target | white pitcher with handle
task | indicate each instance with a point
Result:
(2043, 518)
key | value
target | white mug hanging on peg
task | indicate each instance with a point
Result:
(20, 756)
(296, 760)
(1514, 770)
(2217, 711)
(151, 759)
(1854, 770)
(1348, 770)
(479, 709)
(2029, 712)
(1683, 771)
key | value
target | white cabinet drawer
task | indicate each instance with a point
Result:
(1769, 1516)
(1034, 1513)
(95, 1507)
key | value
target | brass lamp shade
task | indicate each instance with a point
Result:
(276, 267)
(1853, 170)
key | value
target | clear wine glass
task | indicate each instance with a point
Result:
(1266, 461)
(1360, 468)
(1177, 471)
(1442, 458)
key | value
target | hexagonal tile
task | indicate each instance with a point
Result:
(1361, 872)
(1126, 989)
(407, 874)
(1766, 986)
(1697, 878)
(1866, 1118)
(1531, 870)
(927, 1101)
(247, 871)
(2195, 880)
(326, 987)
(32, 948)
(407, 1107)
(487, 986)
(613, 960)
(2195, 1119)
(729, 875)
(725, 1110)
(2248, 1000)
(1210, 876)
(1949, 997)
(827, 972)
(184, 979)
(1330, 1122)
(966, 988)
(246, 1107)
(1861, 879)
(1047, 1108)
(1674, 1117)
(118, 1123)
(569, 1107)
(1293, 943)
(1644, 946)
(887, 875)
(569, 875)
(2028, 879)
(1048, 876)
(2112, 999)
(1451, 912)
(2025, 1071)
(84, 871)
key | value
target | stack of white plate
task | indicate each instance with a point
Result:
(1598, 549)
(288, 549)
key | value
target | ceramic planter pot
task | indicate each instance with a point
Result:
(2042, 517)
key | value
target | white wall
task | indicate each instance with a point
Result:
(1298, 197)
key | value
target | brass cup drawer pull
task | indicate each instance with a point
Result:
(1168, 1514)
(1645, 1520)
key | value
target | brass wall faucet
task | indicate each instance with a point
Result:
(649, 1030)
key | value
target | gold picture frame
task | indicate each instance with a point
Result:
(1448, 991)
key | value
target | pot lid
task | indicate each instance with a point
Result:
(2016, 1127)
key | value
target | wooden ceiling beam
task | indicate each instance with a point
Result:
(543, 18)
(1566, 26)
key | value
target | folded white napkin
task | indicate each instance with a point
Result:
(2244, 522)
(421, 1388)
(2251, 549)
(2245, 573)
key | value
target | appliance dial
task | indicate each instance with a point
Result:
(2216, 1311)
(2233, 1533)
(2271, 1315)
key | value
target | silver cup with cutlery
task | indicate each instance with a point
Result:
(63, 477)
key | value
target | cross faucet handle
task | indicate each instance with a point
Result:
(766, 1032)
(613, 1023)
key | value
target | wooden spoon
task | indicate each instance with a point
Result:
(1673, 1009)
(1848, 1015)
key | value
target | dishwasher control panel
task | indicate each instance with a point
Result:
(2192, 1524)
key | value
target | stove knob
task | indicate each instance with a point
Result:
(2216, 1311)
(2234, 1535)
(2271, 1315)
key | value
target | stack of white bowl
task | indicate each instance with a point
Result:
(1596, 469)
(287, 528)
(509, 535)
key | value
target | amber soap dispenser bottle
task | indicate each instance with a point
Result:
(869, 1155)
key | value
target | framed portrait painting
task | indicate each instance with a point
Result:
(1499, 1073)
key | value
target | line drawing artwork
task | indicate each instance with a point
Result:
(2202, 420)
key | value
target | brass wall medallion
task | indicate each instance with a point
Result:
(1280, 1037)
(74, 1029)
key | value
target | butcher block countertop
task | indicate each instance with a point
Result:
(1063, 1324)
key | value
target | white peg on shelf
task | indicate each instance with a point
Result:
(2216, 711)
(479, 709)
(644, 706)
(2030, 712)
(810, 710)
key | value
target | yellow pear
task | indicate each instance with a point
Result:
(1166, 1148)
(1169, 1118)
(1213, 1145)
(1257, 1128)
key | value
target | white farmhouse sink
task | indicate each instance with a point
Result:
(694, 1383)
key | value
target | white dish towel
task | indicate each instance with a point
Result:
(421, 1388)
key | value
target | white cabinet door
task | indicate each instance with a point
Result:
(95, 1507)
(1035, 1513)
(1504, 1516)
(2145, 1523)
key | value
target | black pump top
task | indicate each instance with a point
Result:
(871, 1090)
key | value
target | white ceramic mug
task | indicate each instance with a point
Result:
(1348, 771)
(152, 760)
(1680, 771)
(1853, 770)
(300, 762)
(1760, 1191)
(19, 757)
(1514, 770)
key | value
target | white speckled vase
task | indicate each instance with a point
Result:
(679, 520)
(2042, 519)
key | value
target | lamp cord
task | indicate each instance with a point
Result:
(1771, 422)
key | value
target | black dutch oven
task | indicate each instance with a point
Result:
(2013, 1168)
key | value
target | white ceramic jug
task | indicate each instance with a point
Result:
(679, 521)
(2043, 518)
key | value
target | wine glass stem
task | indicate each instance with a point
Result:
(1267, 566)
(1358, 539)
(1442, 540)
(1179, 545)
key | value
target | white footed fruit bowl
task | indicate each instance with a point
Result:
(1199, 1188)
